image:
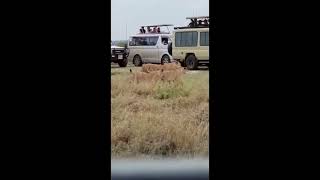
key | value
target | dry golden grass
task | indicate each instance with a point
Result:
(159, 119)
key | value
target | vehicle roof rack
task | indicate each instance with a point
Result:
(184, 27)
(160, 25)
(198, 17)
(196, 22)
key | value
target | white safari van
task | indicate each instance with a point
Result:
(190, 44)
(150, 46)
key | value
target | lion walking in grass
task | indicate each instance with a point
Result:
(170, 76)
(157, 67)
(152, 77)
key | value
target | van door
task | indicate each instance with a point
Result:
(143, 49)
(136, 47)
(163, 48)
(153, 49)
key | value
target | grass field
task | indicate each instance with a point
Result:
(163, 120)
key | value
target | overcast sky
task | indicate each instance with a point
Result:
(147, 12)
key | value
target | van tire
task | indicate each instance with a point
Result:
(191, 62)
(137, 60)
(165, 59)
(123, 63)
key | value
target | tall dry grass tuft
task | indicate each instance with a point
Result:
(160, 119)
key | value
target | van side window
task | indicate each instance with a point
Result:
(132, 41)
(164, 40)
(178, 39)
(143, 41)
(204, 38)
(136, 41)
(152, 41)
(189, 39)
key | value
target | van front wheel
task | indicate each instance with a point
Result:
(191, 62)
(137, 60)
(165, 59)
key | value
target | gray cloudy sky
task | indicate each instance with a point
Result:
(143, 12)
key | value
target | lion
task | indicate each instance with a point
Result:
(138, 77)
(172, 75)
(156, 67)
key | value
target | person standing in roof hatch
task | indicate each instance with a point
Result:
(143, 30)
(205, 22)
(154, 30)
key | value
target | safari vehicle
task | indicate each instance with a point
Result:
(119, 55)
(190, 45)
(150, 45)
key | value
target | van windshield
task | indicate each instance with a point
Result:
(143, 41)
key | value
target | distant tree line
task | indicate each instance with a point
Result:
(120, 43)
